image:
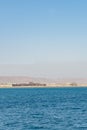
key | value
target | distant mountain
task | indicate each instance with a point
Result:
(25, 79)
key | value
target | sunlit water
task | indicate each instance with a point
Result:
(43, 109)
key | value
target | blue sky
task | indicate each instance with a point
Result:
(44, 33)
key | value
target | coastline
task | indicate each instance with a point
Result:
(80, 86)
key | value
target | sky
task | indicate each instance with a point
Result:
(43, 38)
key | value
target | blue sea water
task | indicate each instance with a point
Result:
(43, 109)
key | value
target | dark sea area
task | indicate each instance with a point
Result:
(43, 109)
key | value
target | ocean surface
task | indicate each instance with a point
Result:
(43, 109)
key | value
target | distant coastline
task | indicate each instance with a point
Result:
(39, 85)
(28, 82)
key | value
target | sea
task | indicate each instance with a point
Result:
(43, 108)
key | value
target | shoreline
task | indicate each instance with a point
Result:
(44, 87)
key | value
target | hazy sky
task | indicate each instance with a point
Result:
(46, 38)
